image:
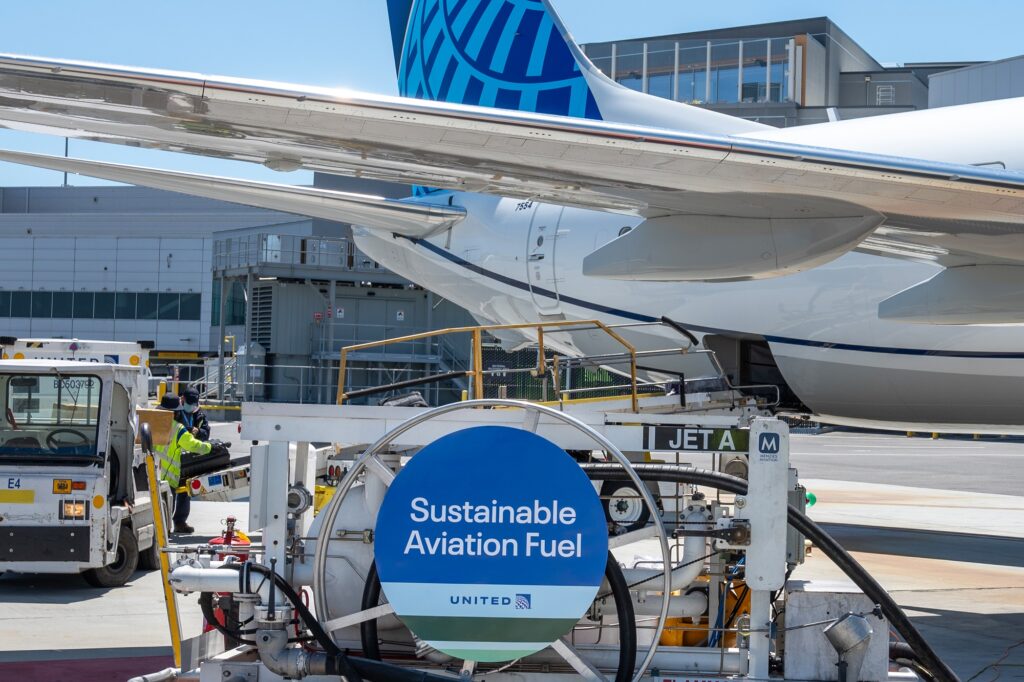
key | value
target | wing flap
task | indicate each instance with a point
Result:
(415, 220)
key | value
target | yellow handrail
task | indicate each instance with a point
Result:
(160, 538)
(477, 371)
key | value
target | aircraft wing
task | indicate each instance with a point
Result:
(797, 206)
(415, 220)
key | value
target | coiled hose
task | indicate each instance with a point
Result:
(670, 473)
(619, 591)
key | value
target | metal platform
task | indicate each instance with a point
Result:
(353, 425)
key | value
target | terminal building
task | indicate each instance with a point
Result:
(783, 73)
(201, 278)
(137, 264)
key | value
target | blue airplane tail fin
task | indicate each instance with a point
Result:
(517, 54)
(510, 54)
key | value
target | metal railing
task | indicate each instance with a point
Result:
(284, 249)
(476, 371)
(209, 383)
(312, 384)
(330, 336)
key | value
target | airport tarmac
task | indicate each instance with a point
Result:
(939, 523)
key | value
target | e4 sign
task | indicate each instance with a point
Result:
(491, 543)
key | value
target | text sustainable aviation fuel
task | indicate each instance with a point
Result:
(504, 530)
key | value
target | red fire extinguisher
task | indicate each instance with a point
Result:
(234, 540)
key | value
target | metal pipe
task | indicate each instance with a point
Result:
(684, 606)
(341, 376)
(690, 659)
(187, 579)
(291, 664)
(690, 566)
(404, 384)
(165, 675)
(478, 361)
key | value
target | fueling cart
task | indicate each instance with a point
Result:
(70, 499)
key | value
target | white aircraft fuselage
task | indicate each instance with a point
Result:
(932, 197)
(513, 261)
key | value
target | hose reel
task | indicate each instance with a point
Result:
(371, 464)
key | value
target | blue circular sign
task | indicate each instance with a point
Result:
(491, 543)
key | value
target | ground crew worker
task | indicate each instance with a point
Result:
(182, 440)
(192, 416)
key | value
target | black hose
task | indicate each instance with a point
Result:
(825, 542)
(368, 628)
(233, 637)
(308, 618)
(736, 608)
(386, 672)
(682, 330)
(624, 609)
(902, 653)
(619, 592)
(338, 661)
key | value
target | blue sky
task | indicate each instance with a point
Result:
(346, 43)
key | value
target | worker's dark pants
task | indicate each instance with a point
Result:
(182, 506)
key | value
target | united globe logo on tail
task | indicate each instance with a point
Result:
(491, 543)
(508, 54)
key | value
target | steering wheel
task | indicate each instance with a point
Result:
(55, 443)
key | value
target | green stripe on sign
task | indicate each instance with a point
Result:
(489, 655)
(489, 629)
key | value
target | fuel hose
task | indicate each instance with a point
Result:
(801, 522)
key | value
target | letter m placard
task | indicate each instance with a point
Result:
(768, 442)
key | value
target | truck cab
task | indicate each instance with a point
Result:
(71, 499)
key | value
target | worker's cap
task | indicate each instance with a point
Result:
(190, 395)
(169, 402)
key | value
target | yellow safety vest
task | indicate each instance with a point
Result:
(170, 454)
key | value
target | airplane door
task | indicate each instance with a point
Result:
(540, 258)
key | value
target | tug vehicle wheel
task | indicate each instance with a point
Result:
(125, 563)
